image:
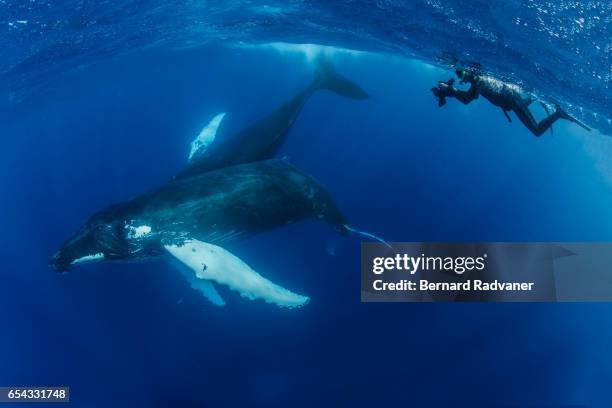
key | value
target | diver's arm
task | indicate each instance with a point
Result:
(465, 96)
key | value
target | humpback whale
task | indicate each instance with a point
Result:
(188, 220)
(261, 140)
(228, 190)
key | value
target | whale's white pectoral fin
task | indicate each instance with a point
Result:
(206, 136)
(203, 286)
(208, 289)
(211, 262)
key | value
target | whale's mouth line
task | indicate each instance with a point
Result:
(61, 264)
(99, 256)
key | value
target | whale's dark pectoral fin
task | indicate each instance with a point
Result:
(328, 78)
(212, 263)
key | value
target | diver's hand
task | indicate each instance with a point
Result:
(447, 86)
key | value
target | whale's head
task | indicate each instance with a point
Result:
(96, 241)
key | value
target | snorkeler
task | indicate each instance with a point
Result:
(507, 96)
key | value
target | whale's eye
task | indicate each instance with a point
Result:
(204, 267)
(193, 249)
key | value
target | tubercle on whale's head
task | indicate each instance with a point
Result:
(94, 242)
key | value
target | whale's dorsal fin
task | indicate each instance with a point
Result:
(212, 263)
(206, 137)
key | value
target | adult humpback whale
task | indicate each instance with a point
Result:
(186, 220)
(261, 140)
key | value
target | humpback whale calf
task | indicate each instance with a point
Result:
(188, 221)
(261, 140)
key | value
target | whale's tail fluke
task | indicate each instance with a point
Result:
(328, 78)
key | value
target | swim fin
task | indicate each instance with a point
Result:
(328, 78)
(563, 114)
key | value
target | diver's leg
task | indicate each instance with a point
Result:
(536, 128)
(526, 117)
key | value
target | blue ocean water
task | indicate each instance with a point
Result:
(101, 101)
